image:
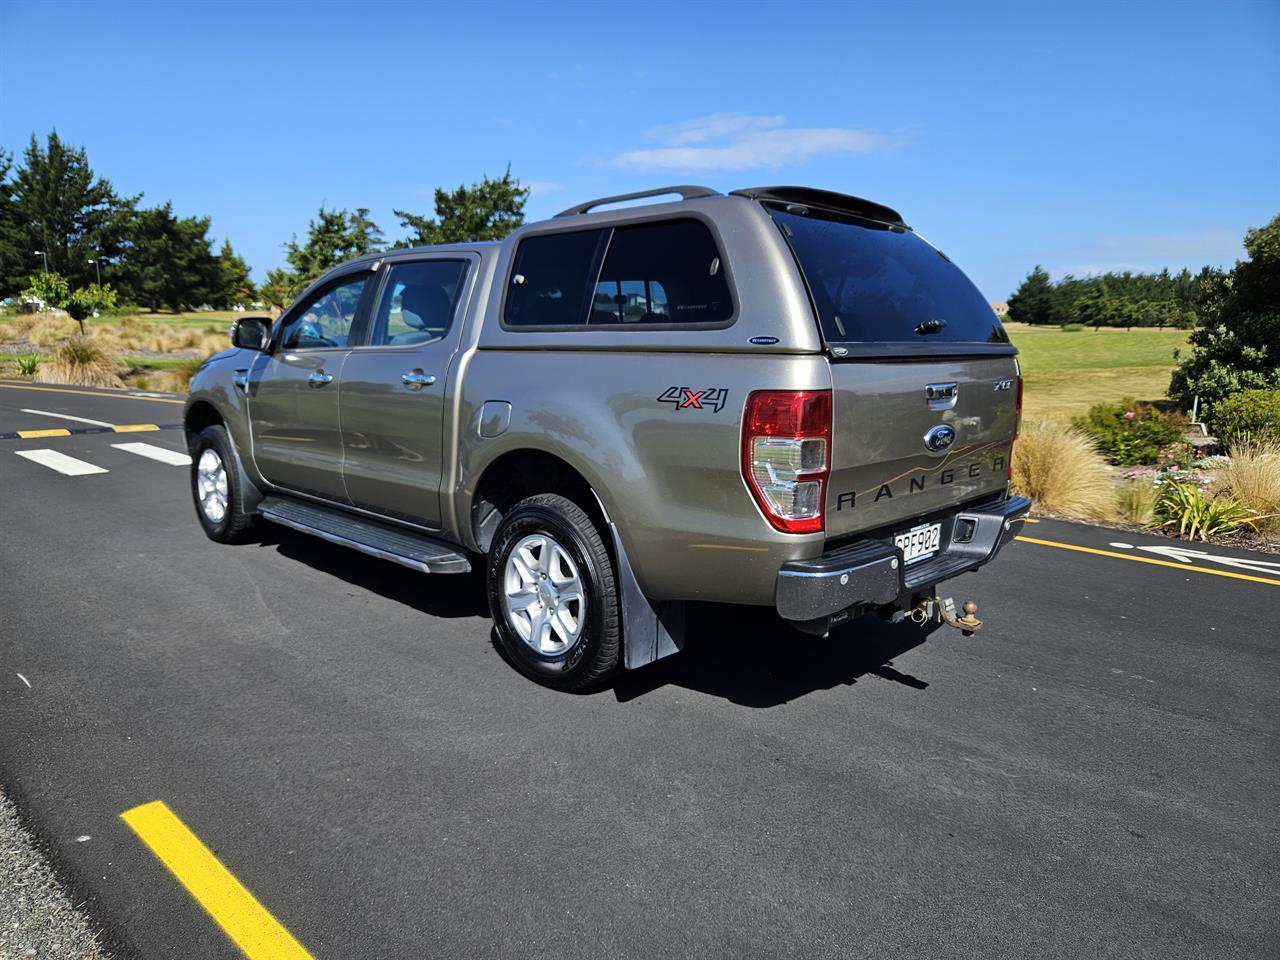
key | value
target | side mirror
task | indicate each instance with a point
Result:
(251, 333)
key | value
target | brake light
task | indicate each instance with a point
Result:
(786, 456)
(1017, 425)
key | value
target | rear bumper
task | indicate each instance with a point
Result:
(870, 572)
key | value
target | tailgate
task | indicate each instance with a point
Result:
(883, 472)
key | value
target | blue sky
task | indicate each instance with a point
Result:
(1083, 137)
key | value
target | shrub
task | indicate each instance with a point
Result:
(1248, 415)
(28, 364)
(1060, 469)
(1196, 515)
(1129, 432)
(80, 361)
(1136, 501)
(1253, 478)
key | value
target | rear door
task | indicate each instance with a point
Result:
(393, 394)
(924, 378)
(293, 406)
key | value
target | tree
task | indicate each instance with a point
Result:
(50, 288)
(488, 210)
(277, 290)
(1035, 300)
(170, 261)
(234, 284)
(1097, 308)
(1241, 350)
(83, 303)
(57, 204)
(333, 237)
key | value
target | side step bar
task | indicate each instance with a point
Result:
(409, 549)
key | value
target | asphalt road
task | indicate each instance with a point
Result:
(1094, 775)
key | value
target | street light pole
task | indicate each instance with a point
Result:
(41, 253)
(97, 270)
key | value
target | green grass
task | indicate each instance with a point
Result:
(196, 318)
(154, 363)
(1066, 373)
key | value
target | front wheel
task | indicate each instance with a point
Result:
(553, 594)
(217, 490)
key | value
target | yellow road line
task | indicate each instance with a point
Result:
(36, 434)
(135, 427)
(88, 393)
(232, 906)
(1151, 560)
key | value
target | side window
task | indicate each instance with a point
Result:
(553, 277)
(325, 320)
(662, 273)
(418, 302)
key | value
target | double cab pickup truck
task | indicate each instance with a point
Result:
(782, 397)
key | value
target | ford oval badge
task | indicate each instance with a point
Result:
(939, 438)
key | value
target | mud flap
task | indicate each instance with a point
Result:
(650, 631)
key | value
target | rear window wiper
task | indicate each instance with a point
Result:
(930, 326)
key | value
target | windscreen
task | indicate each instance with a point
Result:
(873, 284)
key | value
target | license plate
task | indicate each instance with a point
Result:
(919, 542)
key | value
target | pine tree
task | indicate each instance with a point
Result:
(1035, 300)
(60, 206)
(488, 210)
(234, 285)
(170, 261)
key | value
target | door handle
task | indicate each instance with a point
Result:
(416, 379)
(320, 378)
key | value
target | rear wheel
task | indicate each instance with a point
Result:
(217, 490)
(553, 594)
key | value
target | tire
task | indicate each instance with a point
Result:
(219, 497)
(545, 634)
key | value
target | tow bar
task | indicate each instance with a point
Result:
(943, 610)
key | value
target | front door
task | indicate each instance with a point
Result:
(293, 406)
(393, 390)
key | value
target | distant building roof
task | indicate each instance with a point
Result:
(1000, 308)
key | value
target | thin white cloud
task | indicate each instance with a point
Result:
(543, 186)
(714, 127)
(1140, 253)
(731, 141)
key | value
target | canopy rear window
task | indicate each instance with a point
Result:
(666, 273)
(881, 289)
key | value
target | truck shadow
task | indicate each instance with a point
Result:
(751, 657)
(456, 595)
(746, 655)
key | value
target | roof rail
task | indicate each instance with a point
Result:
(686, 191)
(825, 198)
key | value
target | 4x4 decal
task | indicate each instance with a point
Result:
(709, 398)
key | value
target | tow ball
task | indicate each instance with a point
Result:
(943, 610)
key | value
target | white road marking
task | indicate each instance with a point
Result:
(67, 416)
(24, 680)
(60, 462)
(171, 457)
(1185, 555)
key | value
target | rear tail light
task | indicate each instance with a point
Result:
(1017, 425)
(786, 456)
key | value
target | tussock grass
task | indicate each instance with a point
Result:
(80, 361)
(1136, 501)
(1062, 472)
(1253, 478)
(42, 329)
